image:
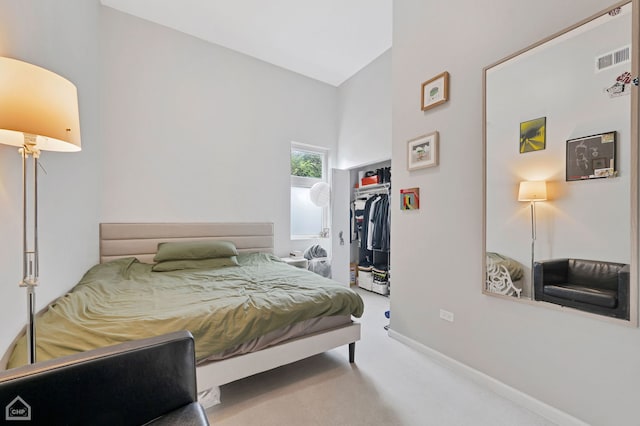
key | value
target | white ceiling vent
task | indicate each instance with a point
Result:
(611, 59)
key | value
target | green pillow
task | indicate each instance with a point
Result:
(201, 249)
(178, 265)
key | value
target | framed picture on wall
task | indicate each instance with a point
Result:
(591, 157)
(422, 151)
(533, 135)
(435, 91)
(410, 199)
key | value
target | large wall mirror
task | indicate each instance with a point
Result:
(560, 124)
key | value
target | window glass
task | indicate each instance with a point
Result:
(306, 217)
(308, 167)
(306, 163)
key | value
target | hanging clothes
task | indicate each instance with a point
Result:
(366, 257)
(371, 220)
(357, 218)
(374, 234)
(381, 236)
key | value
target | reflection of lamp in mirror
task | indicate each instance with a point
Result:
(532, 191)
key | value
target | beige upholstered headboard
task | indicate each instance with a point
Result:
(141, 240)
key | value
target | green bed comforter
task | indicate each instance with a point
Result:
(513, 267)
(125, 300)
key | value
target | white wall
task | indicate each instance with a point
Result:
(59, 36)
(586, 367)
(196, 132)
(364, 114)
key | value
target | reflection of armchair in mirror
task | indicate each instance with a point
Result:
(539, 103)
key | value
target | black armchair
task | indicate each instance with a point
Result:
(149, 381)
(593, 286)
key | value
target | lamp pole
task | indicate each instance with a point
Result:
(533, 241)
(30, 266)
(532, 191)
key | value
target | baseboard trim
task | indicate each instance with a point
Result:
(545, 410)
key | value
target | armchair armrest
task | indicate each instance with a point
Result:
(130, 383)
(548, 272)
(623, 291)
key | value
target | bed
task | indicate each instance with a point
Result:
(503, 275)
(126, 288)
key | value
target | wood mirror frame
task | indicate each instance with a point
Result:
(543, 125)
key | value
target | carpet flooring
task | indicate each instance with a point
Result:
(389, 384)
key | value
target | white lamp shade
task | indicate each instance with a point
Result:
(37, 102)
(532, 191)
(320, 194)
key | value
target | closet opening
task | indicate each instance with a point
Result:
(370, 227)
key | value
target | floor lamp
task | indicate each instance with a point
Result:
(532, 191)
(38, 112)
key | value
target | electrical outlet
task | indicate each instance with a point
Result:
(446, 315)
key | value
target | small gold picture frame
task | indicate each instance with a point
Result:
(435, 91)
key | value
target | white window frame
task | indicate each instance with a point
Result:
(308, 182)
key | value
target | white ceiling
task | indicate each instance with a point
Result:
(328, 40)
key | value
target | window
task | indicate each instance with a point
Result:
(308, 166)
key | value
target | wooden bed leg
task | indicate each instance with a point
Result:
(352, 352)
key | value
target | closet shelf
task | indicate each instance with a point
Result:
(379, 188)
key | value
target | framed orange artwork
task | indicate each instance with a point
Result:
(410, 199)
